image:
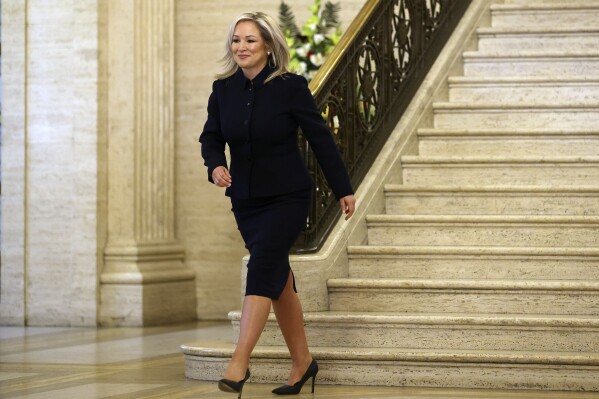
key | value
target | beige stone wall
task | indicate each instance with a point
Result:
(12, 264)
(50, 202)
(206, 226)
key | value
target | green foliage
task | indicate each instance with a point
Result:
(310, 45)
(330, 15)
(287, 20)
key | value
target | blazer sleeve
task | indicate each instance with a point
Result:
(213, 143)
(320, 139)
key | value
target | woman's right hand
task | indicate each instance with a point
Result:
(221, 177)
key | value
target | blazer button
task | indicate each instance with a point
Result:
(245, 122)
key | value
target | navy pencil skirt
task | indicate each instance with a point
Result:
(269, 227)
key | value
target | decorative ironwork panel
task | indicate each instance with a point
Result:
(402, 39)
(432, 16)
(369, 84)
(365, 95)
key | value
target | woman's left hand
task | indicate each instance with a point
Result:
(348, 205)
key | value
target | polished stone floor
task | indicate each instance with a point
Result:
(136, 363)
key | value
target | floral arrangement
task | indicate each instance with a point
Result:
(310, 46)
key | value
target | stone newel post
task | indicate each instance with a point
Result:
(144, 280)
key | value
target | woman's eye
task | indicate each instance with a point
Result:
(235, 40)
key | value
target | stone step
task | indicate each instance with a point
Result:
(555, 38)
(494, 142)
(408, 367)
(540, 297)
(526, 90)
(531, 63)
(568, 14)
(440, 331)
(473, 262)
(561, 2)
(500, 171)
(510, 200)
(474, 116)
(485, 230)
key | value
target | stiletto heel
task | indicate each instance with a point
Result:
(232, 386)
(297, 387)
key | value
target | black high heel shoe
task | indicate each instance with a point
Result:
(232, 386)
(297, 387)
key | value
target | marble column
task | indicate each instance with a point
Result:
(145, 280)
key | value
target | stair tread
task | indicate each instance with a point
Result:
(475, 106)
(570, 5)
(473, 250)
(488, 319)
(500, 133)
(500, 30)
(499, 159)
(583, 53)
(522, 79)
(402, 188)
(407, 354)
(471, 284)
(525, 219)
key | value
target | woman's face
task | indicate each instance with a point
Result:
(249, 48)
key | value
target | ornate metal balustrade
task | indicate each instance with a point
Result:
(366, 85)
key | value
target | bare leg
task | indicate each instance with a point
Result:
(253, 318)
(290, 317)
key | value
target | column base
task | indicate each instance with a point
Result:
(144, 286)
(147, 304)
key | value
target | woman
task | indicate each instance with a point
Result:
(256, 107)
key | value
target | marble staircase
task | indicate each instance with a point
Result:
(483, 272)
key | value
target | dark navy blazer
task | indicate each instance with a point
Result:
(260, 124)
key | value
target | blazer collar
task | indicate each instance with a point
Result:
(258, 81)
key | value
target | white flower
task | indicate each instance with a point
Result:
(317, 59)
(318, 38)
(302, 68)
(303, 50)
(312, 27)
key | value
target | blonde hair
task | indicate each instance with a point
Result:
(273, 36)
